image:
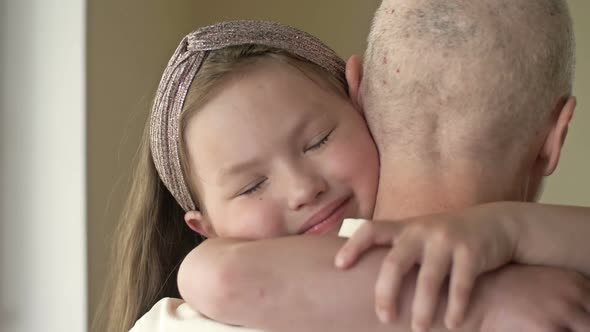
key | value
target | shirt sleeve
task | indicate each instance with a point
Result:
(349, 226)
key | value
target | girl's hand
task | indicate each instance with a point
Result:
(532, 298)
(461, 245)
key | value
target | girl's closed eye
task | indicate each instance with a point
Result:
(249, 190)
(322, 142)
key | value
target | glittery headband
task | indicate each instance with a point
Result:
(184, 66)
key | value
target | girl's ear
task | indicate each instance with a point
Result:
(196, 222)
(354, 77)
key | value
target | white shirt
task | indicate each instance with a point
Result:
(175, 315)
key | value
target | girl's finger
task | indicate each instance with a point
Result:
(398, 262)
(361, 240)
(579, 321)
(367, 235)
(463, 275)
(435, 266)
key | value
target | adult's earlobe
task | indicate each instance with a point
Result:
(354, 77)
(557, 136)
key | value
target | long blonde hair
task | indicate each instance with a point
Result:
(152, 238)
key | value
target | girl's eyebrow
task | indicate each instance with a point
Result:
(226, 172)
(311, 116)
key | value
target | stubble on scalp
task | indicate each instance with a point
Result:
(448, 78)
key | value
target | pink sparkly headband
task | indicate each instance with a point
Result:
(184, 66)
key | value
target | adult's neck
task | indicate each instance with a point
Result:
(413, 187)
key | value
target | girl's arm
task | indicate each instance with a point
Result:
(464, 244)
(552, 235)
(289, 284)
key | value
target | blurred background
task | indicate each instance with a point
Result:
(76, 83)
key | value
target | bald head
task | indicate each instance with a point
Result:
(461, 78)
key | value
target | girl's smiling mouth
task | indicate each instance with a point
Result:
(326, 218)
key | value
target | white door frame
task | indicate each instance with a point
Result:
(42, 166)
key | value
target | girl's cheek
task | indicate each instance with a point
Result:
(355, 163)
(253, 218)
(354, 159)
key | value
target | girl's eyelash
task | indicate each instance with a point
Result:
(320, 143)
(252, 189)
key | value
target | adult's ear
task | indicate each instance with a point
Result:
(354, 77)
(551, 151)
(195, 221)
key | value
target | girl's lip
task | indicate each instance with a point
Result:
(327, 218)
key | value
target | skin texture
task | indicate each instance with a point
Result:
(284, 162)
(465, 246)
(225, 276)
(467, 183)
(464, 79)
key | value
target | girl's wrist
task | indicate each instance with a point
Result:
(512, 225)
(515, 222)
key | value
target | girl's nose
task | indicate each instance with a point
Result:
(305, 189)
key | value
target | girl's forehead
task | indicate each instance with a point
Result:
(270, 90)
(284, 75)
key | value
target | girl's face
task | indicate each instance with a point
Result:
(276, 153)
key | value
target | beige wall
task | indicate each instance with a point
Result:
(129, 42)
(571, 183)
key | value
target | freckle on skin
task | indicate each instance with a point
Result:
(392, 11)
(385, 60)
(384, 82)
(397, 71)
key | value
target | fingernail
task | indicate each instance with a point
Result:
(451, 324)
(340, 261)
(418, 327)
(383, 315)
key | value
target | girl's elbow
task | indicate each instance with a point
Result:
(209, 283)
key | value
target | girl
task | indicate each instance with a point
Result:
(252, 136)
